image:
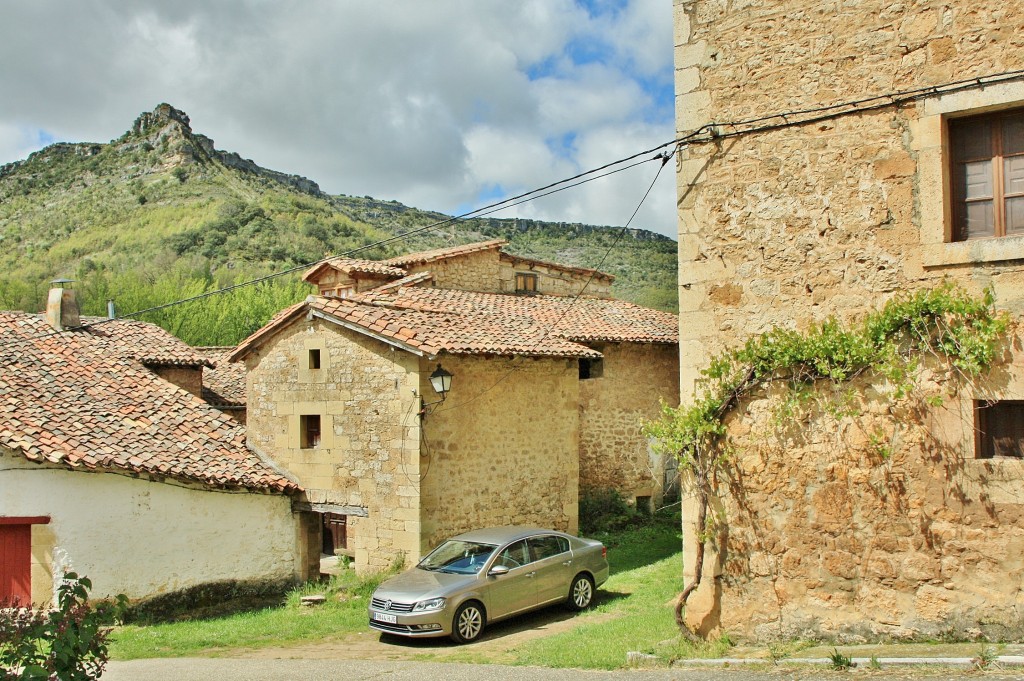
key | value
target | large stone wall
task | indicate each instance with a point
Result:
(364, 395)
(503, 448)
(880, 524)
(143, 538)
(614, 454)
(791, 226)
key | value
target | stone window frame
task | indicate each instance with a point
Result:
(306, 430)
(930, 141)
(306, 372)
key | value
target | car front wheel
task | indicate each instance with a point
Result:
(581, 593)
(468, 623)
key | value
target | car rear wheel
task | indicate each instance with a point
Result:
(468, 623)
(581, 593)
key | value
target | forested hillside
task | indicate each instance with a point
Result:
(159, 214)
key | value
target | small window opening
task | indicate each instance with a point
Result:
(526, 282)
(999, 429)
(310, 436)
(643, 505)
(591, 368)
(314, 359)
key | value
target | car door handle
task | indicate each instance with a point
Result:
(567, 563)
(530, 574)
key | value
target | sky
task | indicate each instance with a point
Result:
(444, 105)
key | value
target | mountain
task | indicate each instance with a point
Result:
(159, 214)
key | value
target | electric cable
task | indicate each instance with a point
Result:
(707, 133)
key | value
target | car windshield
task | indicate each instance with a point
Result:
(461, 557)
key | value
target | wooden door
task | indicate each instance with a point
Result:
(16, 564)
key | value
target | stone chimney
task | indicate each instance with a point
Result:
(62, 307)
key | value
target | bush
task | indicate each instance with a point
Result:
(69, 643)
(605, 510)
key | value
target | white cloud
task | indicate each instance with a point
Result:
(432, 104)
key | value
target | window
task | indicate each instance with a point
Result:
(591, 368)
(548, 546)
(339, 291)
(987, 174)
(515, 555)
(999, 429)
(526, 282)
(310, 435)
(314, 359)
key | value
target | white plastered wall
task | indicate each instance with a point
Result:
(143, 538)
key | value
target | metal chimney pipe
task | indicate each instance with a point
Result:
(111, 313)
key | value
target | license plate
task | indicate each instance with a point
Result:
(383, 617)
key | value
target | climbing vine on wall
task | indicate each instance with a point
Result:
(945, 322)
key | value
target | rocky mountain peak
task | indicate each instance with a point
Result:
(159, 118)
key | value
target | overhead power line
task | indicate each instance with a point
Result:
(707, 133)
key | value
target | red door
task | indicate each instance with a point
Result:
(15, 564)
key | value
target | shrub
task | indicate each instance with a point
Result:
(68, 643)
(605, 510)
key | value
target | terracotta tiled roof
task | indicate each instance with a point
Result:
(350, 265)
(224, 384)
(431, 321)
(147, 343)
(424, 257)
(84, 399)
(411, 280)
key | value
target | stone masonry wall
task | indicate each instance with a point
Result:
(473, 272)
(476, 470)
(488, 272)
(614, 454)
(186, 378)
(368, 456)
(873, 526)
(792, 226)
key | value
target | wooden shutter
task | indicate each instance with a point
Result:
(15, 564)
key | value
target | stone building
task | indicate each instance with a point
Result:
(112, 467)
(548, 394)
(853, 151)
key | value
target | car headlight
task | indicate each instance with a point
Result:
(432, 604)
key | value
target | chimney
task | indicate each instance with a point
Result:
(61, 306)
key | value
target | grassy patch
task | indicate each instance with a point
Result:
(344, 612)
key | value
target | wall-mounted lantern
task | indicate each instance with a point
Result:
(441, 382)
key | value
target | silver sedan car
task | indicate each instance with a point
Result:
(487, 575)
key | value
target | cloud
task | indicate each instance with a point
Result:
(433, 104)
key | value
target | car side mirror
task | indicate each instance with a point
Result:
(498, 570)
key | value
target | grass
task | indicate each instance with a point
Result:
(633, 612)
(291, 624)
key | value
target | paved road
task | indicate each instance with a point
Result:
(219, 669)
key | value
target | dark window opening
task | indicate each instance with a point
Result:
(526, 282)
(335, 535)
(999, 429)
(314, 359)
(987, 171)
(591, 368)
(310, 436)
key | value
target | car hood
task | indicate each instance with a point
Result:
(418, 584)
